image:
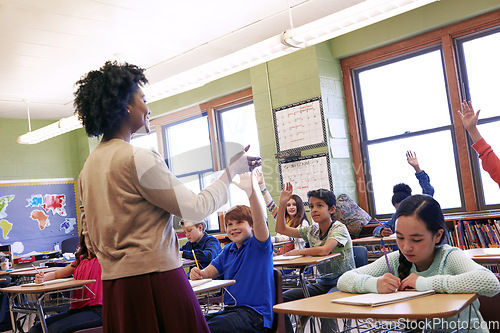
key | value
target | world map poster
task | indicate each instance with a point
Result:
(34, 216)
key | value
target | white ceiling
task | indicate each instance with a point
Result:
(45, 46)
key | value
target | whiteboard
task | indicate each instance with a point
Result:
(307, 173)
(300, 125)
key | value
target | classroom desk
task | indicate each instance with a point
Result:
(372, 240)
(33, 299)
(205, 293)
(423, 308)
(302, 263)
(479, 256)
(188, 262)
(212, 285)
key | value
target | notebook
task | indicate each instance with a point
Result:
(284, 257)
(46, 282)
(195, 283)
(373, 299)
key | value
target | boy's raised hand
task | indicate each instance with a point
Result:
(286, 193)
(246, 182)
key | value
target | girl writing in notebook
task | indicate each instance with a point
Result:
(424, 260)
(84, 314)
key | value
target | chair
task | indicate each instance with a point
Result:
(489, 309)
(279, 318)
(360, 255)
(70, 245)
(5, 321)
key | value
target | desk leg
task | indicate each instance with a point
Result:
(13, 321)
(303, 282)
(41, 315)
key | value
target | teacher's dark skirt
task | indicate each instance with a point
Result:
(152, 303)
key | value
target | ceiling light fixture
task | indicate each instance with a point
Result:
(62, 126)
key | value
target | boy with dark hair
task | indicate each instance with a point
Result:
(206, 247)
(249, 261)
(324, 236)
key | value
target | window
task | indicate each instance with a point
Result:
(148, 141)
(405, 97)
(198, 142)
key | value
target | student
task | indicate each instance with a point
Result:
(424, 260)
(295, 216)
(206, 247)
(128, 200)
(490, 161)
(84, 314)
(324, 236)
(402, 191)
(249, 261)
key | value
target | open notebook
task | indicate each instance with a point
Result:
(373, 299)
(283, 257)
(46, 282)
(195, 283)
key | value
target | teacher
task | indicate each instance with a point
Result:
(128, 198)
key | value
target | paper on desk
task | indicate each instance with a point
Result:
(284, 257)
(46, 282)
(372, 299)
(490, 252)
(195, 283)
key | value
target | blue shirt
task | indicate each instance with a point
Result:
(251, 266)
(425, 184)
(206, 250)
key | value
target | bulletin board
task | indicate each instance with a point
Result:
(307, 173)
(300, 125)
(34, 215)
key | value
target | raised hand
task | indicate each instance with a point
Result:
(469, 119)
(286, 193)
(412, 159)
(246, 182)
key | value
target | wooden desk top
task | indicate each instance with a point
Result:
(304, 260)
(432, 306)
(212, 285)
(374, 240)
(31, 271)
(483, 257)
(49, 287)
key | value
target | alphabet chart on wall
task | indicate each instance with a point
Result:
(300, 125)
(307, 173)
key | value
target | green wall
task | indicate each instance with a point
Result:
(59, 157)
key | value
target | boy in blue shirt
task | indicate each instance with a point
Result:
(206, 247)
(249, 261)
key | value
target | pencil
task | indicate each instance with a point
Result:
(379, 222)
(195, 260)
(36, 269)
(385, 255)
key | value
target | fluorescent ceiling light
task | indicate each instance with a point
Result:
(342, 22)
(62, 126)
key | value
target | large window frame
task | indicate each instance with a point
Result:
(445, 38)
(209, 109)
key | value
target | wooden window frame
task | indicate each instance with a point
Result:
(444, 36)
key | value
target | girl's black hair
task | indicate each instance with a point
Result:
(427, 210)
(301, 212)
(82, 253)
(401, 191)
(102, 96)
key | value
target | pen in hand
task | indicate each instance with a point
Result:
(36, 269)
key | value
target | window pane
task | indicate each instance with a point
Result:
(188, 146)
(483, 70)
(490, 188)
(404, 96)
(435, 156)
(239, 126)
(148, 141)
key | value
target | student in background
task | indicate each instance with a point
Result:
(249, 261)
(489, 161)
(84, 314)
(324, 236)
(424, 260)
(128, 199)
(206, 247)
(402, 191)
(295, 216)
